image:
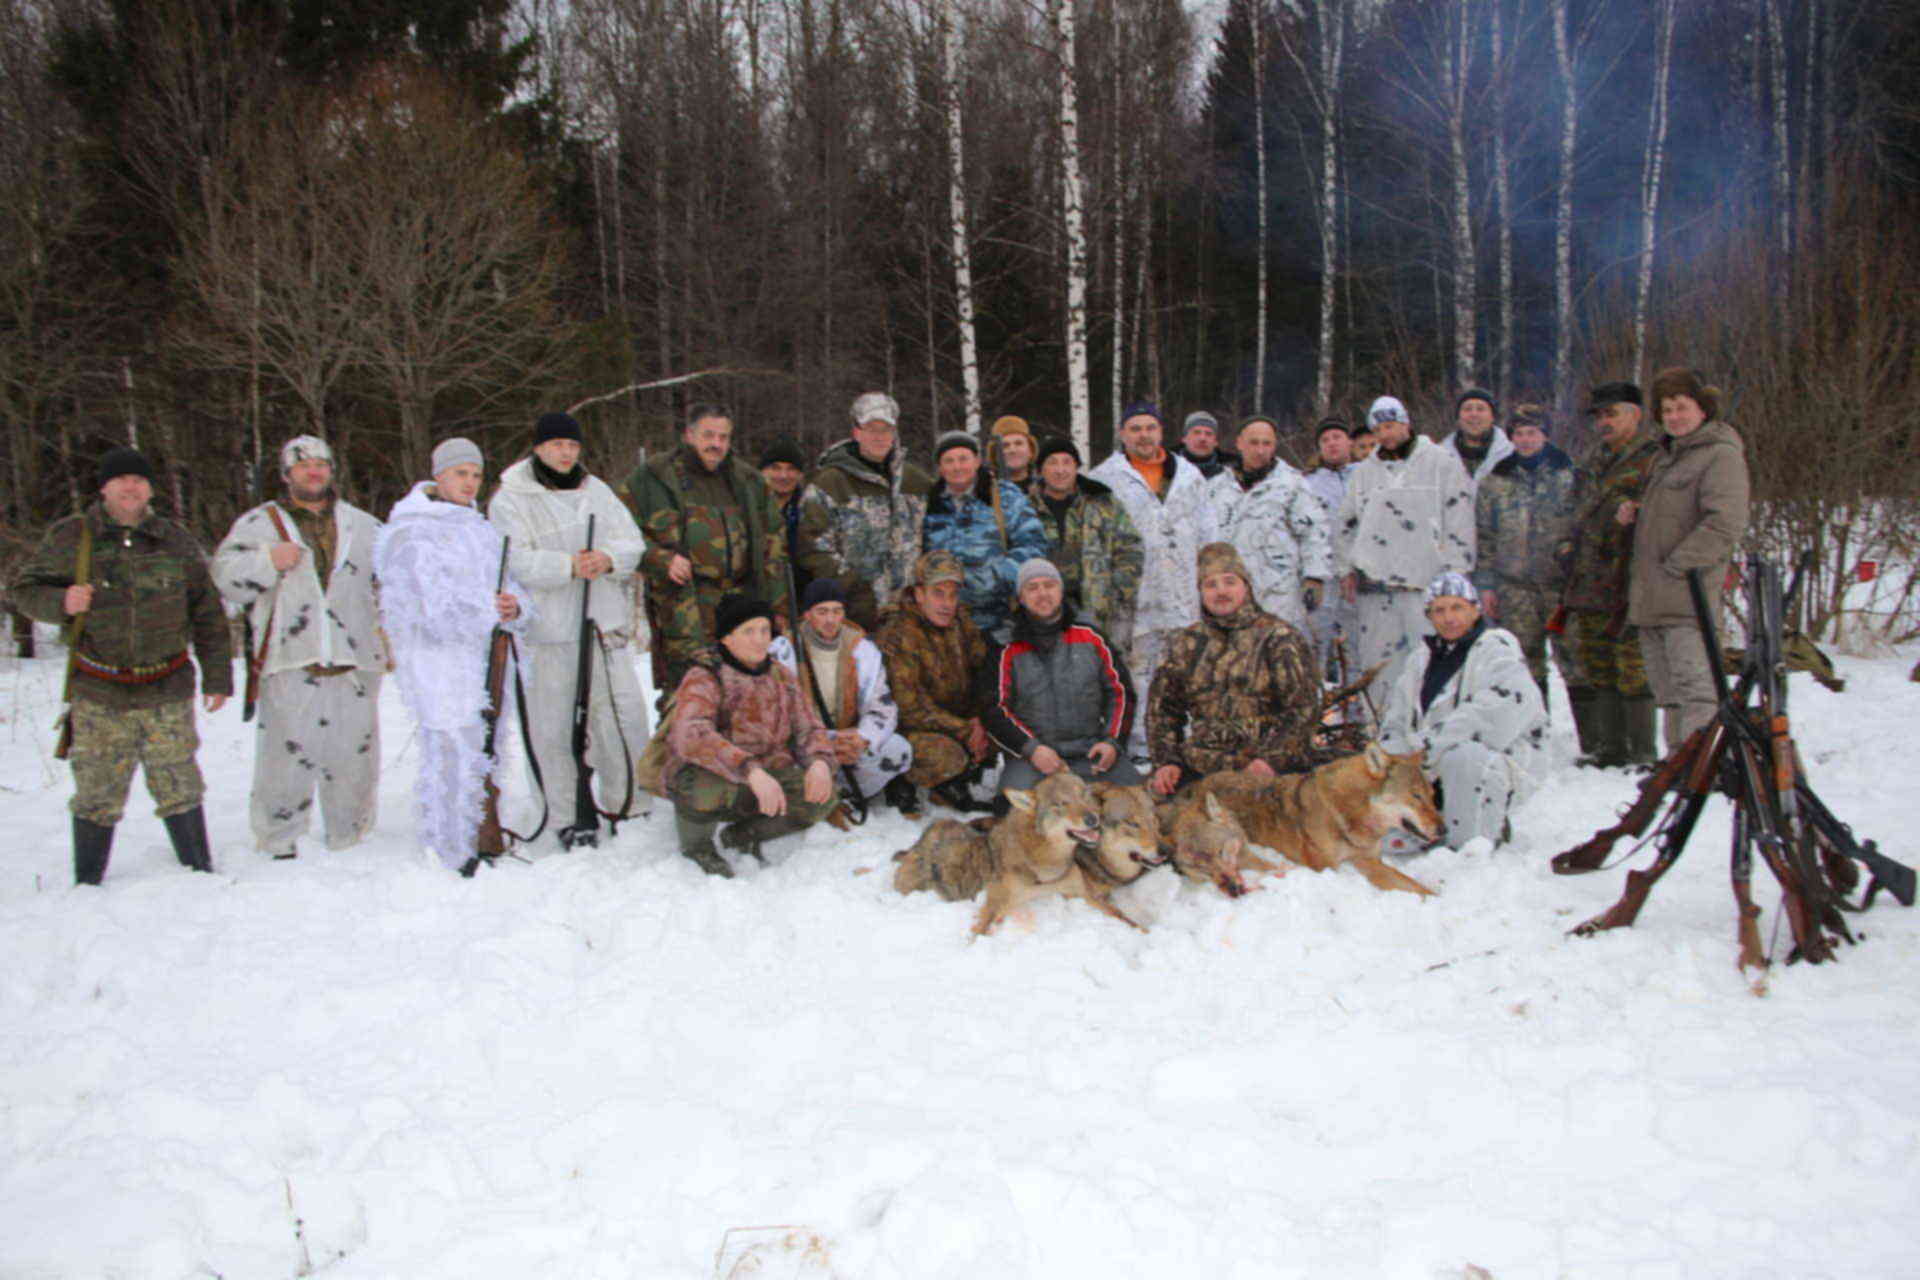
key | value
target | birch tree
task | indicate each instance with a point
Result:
(1650, 175)
(1563, 207)
(1073, 200)
(961, 238)
(1503, 203)
(1258, 47)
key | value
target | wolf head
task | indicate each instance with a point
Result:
(1401, 798)
(1129, 830)
(1063, 816)
(1207, 846)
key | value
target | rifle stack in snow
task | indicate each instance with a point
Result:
(1748, 753)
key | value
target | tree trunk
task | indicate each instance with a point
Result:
(957, 212)
(1257, 23)
(1782, 166)
(1457, 66)
(1563, 212)
(1656, 158)
(1079, 392)
(1503, 210)
(1332, 54)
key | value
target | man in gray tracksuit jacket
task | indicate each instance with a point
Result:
(1057, 695)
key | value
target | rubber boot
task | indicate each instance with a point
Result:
(696, 845)
(905, 797)
(188, 831)
(1609, 747)
(1637, 746)
(91, 845)
(1585, 702)
(750, 834)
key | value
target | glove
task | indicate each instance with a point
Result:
(1310, 594)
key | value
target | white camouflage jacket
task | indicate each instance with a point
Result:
(1404, 522)
(341, 629)
(1282, 532)
(1171, 535)
(547, 526)
(879, 715)
(1491, 700)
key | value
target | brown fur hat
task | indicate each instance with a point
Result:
(1688, 383)
(1222, 557)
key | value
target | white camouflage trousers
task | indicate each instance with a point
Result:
(1476, 783)
(451, 790)
(617, 709)
(881, 763)
(1143, 663)
(1391, 623)
(317, 734)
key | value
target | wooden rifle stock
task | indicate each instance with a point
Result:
(492, 841)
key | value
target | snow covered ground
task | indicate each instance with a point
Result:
(609, 1065)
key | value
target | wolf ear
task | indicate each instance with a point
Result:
(1216, 810)
(1378, 762)
(1021, 800)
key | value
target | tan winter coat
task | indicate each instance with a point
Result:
(1692, 516)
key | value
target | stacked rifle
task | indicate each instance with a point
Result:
(1748, 753)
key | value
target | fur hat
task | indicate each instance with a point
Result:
(1609, 394)
(302, 448)
(451, 453)
(1387, 409)
(822, 591)
(1012, 426)
(736, 610)
(556, 426)
(1687, 382)
(1056, 444)
(937, 566)
(1222, 557)
(1452, 584)
(1038, 567)
(1475, 393)
(954, 440)
(785, 449)
(876, 406)
(115, 463)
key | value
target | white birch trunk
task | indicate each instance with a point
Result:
(957, 212)
(1782, 148)
(1563, 211)
(1073, 200)
(1457, 65)
(1258, 24)
(1503, 210)
(1656, 158)
(1332, 55)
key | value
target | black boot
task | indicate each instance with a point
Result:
(905, 797)
(1588, 728)
(91, 845)
(188, 831)
(957, 793)
(1638, 742)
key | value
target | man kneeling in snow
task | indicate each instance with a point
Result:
(1467, 700)
(741, 728)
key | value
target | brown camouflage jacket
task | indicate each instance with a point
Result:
(152, 599)
(726, 721)
(1234, 690)
(1598, 547)
(931, 668)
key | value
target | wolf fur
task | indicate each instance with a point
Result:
(1038, 847)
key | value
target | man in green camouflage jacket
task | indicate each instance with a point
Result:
(1522, 514)
(712, 528)
(1238, 689)
(144, 599)
(1095, 544)
(1612, 705)
(862, 512)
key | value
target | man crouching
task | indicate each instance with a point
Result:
(740, 727)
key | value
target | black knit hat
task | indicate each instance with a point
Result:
(1056, 444)
(123, 462)
(737, 609)
(556, 426)
(822, 591)
(785, 449)
(1475, 393)
(1331, 424)
(1609, 394)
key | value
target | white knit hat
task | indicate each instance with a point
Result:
(301, 448)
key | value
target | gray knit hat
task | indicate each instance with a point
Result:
(451, 453)
(954, 440)
(1038, 567)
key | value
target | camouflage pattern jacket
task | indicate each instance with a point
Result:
(1281, 532)
(152, 598)
(931, 668)
(1234, 690)
(727, 523)
(1522, 515)
(1099, 555)
(991, 545)
(1489, 701)
(726, 720)
(861, 524)
(1599, 548)
(1404, 521)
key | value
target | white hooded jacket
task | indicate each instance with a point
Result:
(341, 629)
(1404, 522)
(1281, 531)
(1497, 452)
(1171, 535)
(547, 526)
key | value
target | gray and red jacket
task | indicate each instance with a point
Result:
(1062, 686)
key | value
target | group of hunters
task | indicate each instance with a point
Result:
(853, 629)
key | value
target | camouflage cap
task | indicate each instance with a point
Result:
(1222, 557)
(938, 566)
